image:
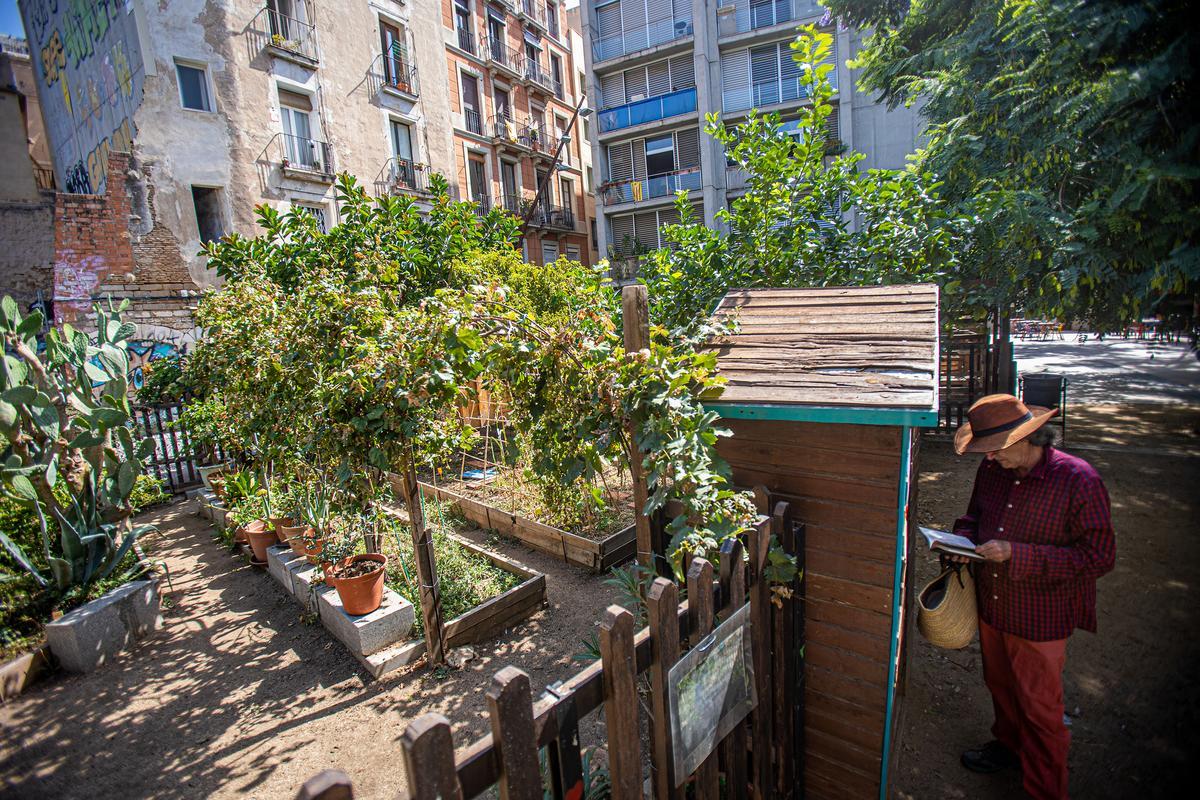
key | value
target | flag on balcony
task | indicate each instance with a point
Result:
(636, 188)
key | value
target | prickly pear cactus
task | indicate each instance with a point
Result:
(69, 449)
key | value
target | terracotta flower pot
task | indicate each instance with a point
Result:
(362, 593)
(278, 523)
(293, 536)
(218, 487)
(261, 537)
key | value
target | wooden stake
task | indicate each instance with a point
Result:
(431, 596)
(635, 315)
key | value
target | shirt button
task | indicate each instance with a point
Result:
(1001, 530)
(995, 574)
(1009, 505)
(1016, 483)
(995, 597)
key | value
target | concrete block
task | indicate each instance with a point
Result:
(384, 627)
(306, 583)
(92, 634)
(280, 559)
(393, 658)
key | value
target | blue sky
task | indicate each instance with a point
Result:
(10, 19)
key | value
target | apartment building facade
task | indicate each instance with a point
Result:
(513, 98)
(658, 67)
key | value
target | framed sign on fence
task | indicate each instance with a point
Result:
(711, 690)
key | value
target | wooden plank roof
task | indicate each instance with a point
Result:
(869, 347)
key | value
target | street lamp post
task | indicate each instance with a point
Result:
(580, 111)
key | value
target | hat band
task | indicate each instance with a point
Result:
(1008, 426)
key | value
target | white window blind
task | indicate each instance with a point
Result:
(683, 72)
(635, 84)
(639, 159)
(735, 81)
(608, 19)
(687, 148)
(620, 162)
(658, 78)
(612, 90)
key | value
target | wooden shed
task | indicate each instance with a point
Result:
(827, 392)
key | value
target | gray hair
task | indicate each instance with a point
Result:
(1045, 436)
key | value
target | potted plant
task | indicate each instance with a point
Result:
(315, 504)
(357, 578)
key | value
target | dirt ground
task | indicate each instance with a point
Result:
(1133, 688)
(238, 697)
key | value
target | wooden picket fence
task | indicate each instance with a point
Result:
(761, 757)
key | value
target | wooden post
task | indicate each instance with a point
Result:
(700, 616)
(663, 608)
(635, 316)
(783, 667)
(760, 639)
(428, 751)
(329, 784)
(431, 596)
(733, 596)
(621, 703)
(511, 712)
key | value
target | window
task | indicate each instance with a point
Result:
(317, 213)
(209, 219)
(589, 179)
(508, 186)
(395, 56)
(287, 17)
(552, 19)
(556, 74)
(660, 155)
(503, 107)
(470, 100)
(477, 178)
(193, 87)
(401, 140)
(566, 194)
(595, 239)
(295, 110)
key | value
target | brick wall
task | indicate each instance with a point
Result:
(97, 255)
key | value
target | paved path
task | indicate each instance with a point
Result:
(1116, 370)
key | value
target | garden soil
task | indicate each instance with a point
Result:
(239, 697)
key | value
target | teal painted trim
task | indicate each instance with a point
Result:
(893, 667)
(842, 415)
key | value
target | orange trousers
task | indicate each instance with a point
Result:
(1025, 679)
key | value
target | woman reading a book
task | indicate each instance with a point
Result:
(1040, 519)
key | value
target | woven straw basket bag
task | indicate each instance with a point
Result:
(946, 615)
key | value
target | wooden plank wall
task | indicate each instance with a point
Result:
(842, 482)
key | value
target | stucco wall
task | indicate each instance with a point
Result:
(27, 257)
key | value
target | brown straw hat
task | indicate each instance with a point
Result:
(996, 421)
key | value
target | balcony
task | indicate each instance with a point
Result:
(551, 217)
(665, 185)
(392, 73)
(630, 41)
(303, 158)
(652, 109)
(742, 16)
(472, 121)
(533, 14)
(512, 203)
(402, 176)
(505, 58)
(537, 76)
(466, 41)
(284, 37)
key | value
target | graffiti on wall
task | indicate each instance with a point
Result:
(86, 55)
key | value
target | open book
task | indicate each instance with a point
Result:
(950, 543)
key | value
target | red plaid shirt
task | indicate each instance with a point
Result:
(1057, 520)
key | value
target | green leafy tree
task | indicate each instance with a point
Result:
(1066, 130)
(811, 216)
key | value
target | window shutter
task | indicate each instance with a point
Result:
(735, 81)
(639, 159)
(683, 72)
(670, 216)
(645, 227)
(687, 148)
(764, 73)
(295, 100)
(620, 162)
(622, 229)
(658, 78)
(608, 20)
(635, 84)
(833, 59)
(612, 90)
(682, 9)
(633, 23)
(790, 73)
(658, 10)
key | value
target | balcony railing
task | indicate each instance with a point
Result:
(534, 12)
(525, 134)
(545, 215)
(651, 35)
(505, 57)
(297, 154)
(511, 203)
(472, 121)
(663, 185)
(284, 35)
(740, 16)
(559, 90)
(649, 110)
(552, 26)
(466, 41)
(402, 176)
(535, 73)
(389, 71)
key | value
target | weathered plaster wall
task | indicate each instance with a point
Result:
(16, 170)
(27, 254)
(88, 64)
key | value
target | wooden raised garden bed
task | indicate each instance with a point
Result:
(596, 555)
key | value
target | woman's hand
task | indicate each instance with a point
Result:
(996, 550)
